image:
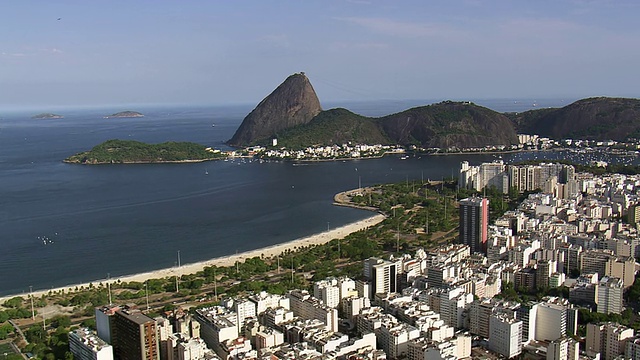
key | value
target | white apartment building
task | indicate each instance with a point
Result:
(244, 310)
(425, 349)
(505, 336)
(264, 300)
(353, 305)
(328, 292)
(382, 275)
(85, 344)
(217, 326)
(563, 349)
(192, 349)
(307, 307)
(268, 338)
(273, 317)
(608, 339)
(394, 340)
(610, 295)
(555, 317)
(452, 306)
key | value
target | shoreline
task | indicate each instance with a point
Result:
(66, 161)
(223, 261)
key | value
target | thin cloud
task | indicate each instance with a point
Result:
(33, 52)
(402, 28)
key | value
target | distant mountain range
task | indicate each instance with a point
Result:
(293, 115)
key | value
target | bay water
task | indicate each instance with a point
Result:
(63, 223)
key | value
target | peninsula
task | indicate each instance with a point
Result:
(135, 152)
(47, 116)
(125, 114)
(292, 118)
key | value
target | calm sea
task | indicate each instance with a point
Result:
(62, 224)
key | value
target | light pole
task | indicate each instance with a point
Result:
(398, 239)
(215, 284)
(33, 312)
(178, 273)
(146, 291)
(109, 287)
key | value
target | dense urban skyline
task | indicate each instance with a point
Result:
(193, 52)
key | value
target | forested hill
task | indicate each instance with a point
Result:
(135, 152)
(447, 124)
(335, 126)
(439, 125)
(599, 118)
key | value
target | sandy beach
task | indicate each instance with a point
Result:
(184, 269)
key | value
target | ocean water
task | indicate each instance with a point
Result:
(62, 224)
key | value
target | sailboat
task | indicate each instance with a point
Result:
(206, 172)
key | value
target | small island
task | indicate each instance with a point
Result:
(47, 116)
(125, 114)
(135, 152)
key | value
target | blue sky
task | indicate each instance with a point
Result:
(223, 52)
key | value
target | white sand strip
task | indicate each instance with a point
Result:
(267, 252)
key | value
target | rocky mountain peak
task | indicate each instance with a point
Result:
(292, 103)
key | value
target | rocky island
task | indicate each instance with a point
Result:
(47, 116)
(135, 152)
(125, 114)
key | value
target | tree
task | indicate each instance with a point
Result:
(15, 302)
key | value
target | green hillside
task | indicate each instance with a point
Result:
(129, 151)
(335, 126)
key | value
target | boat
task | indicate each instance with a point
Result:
(206, 172)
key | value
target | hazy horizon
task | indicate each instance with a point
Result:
(98, 54)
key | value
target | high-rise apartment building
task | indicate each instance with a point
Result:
(632, 350)
(382, 275)
(610, 292)
(104, 321)
(505, 335)
(608, 339)
(134, 336)
(555, 318)
(474, 222)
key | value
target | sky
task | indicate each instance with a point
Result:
(91, 53)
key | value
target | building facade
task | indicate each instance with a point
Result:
(474, 222)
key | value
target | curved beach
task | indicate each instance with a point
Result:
(184, 269)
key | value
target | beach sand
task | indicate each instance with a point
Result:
(184, 269)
